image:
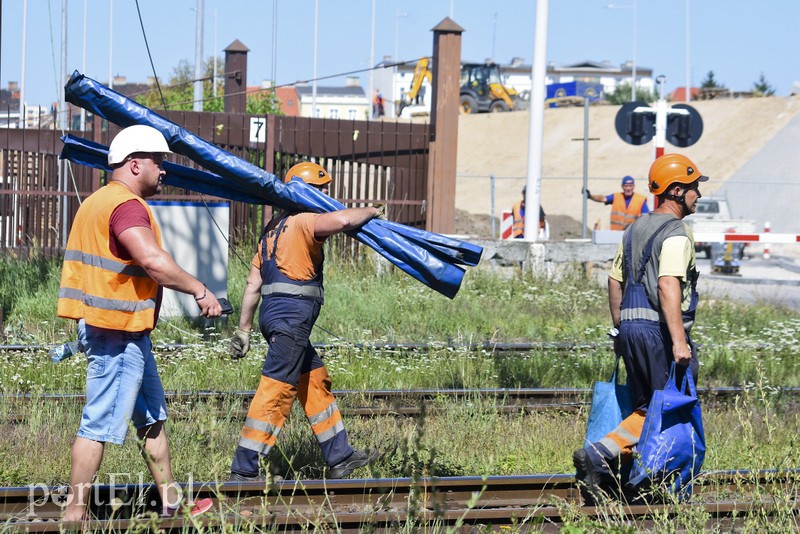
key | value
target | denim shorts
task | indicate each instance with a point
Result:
(122, 384)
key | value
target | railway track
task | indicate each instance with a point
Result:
(387, 347)
(386, 402)
(542, 502)
(374, 403)
(487, 346)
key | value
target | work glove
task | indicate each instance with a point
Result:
(587, 193)
(240, 344)
(382, 208)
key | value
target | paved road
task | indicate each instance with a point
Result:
(767, 188)
(776, 281)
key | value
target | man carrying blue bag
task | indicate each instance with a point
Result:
(652, 299)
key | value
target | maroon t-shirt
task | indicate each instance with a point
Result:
(129, 214)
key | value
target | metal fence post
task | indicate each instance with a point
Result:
(491, 186)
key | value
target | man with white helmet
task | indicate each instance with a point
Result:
(113, 272)
(286, 273)
(652, 298)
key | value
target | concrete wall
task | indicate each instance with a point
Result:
(545, 256)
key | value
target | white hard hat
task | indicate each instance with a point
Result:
(137, 138)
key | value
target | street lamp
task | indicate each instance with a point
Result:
(688, 82)
(633, 60)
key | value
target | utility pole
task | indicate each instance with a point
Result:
(274, 42)
(371, 63)
(63, 119)
(314, 81)
(197, 105)
(538, 70)
(22, 77)
(110, 42)
(83, 63)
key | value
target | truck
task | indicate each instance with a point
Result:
(713, 215)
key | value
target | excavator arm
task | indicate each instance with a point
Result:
(421, 72)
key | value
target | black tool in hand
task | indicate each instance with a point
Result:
(227, 309)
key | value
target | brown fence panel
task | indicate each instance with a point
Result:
(371, 162)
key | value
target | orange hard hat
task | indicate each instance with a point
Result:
(670, 169)
(311, 173)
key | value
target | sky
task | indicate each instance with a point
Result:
(736, 39)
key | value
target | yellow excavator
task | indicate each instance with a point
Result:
(421, 73)
(482, 89)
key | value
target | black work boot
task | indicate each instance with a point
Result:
(353, 462)
(589, 480)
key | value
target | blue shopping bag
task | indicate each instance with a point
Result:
(611, 403)
(672, 447)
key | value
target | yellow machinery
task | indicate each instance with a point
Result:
(421, 73)
(482, 89)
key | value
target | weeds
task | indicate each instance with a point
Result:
(753, 346)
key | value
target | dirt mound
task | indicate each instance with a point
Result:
(496, 145)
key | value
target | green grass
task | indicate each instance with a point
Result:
(741, 344)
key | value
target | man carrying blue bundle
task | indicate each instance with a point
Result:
(652, 298)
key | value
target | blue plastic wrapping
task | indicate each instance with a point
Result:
(433, 259)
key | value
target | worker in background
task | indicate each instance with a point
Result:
(652, 310)
(626, 206)
(286, 273)
(518, 212)
(114, 269)
(377, 104)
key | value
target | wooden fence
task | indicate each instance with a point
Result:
(370, 161)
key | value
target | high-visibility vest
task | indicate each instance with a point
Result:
(97, 286)
(621, 215)
(518, 227)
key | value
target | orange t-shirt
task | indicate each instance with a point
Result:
(299, 253)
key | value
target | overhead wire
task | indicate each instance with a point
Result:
(274, 87)
(164, 103)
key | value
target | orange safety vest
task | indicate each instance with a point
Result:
(518, 228)
(622, 216)
(97, 286)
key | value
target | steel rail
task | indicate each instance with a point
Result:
(393, 402)
(547, 396)
(491, 346)
(410, 347)
(383, 504)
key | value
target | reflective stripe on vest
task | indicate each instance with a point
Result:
(105, 303)
(115, 266)
(621, 215)
(274, 282)
(292, 289)
(518, 227)
(97, 286)
(639, 313)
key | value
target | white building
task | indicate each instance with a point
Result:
(518, 74)
(348, 102)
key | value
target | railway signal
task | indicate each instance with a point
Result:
(636, 123)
